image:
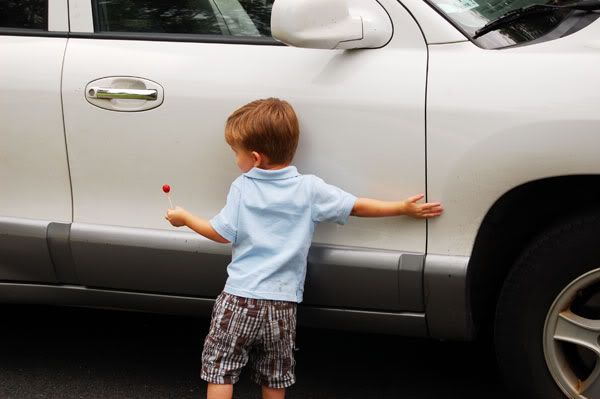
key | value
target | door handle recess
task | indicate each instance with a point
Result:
(129, 94)
(124, 93)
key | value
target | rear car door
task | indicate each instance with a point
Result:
(362, 129)
(34, 173)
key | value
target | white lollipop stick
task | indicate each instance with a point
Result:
(167, 189)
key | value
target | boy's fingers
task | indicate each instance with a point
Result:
(436, 213)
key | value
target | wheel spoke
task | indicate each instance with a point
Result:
(590, 388)
(578, 330)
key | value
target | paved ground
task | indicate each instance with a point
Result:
(65, 353)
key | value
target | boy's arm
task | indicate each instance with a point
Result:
(203, 227)
(180, 217)
(368, 207)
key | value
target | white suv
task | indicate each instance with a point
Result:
(488, 106)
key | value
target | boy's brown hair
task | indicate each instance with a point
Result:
(268, 126)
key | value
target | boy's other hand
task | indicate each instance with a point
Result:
(421, 211)
(176, 216)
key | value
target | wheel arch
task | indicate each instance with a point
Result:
(511, 223)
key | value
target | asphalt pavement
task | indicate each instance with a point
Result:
(64, 353)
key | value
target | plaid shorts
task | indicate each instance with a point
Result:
(260, 330)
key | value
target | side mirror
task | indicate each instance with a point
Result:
(331, 24)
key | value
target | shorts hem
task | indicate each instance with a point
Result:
(220, 380)
(275, 384)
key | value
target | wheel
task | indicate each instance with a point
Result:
(547, 321)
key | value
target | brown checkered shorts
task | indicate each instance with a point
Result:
(260, 330)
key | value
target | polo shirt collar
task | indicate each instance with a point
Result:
(272, 174)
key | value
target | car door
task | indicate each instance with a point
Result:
(34, 174)
(194, 62)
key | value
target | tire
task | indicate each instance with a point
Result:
(558, 272)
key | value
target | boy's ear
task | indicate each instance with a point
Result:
(257, 157)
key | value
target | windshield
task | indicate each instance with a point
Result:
(471, 15)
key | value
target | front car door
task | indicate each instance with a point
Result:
(362, 128)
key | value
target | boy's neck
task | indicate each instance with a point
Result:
(273, 167)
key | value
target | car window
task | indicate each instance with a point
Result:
(471, 15)
(214, 17)
(24, 14)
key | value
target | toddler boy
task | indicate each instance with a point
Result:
(269, 218)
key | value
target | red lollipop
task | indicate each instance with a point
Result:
(166, 188)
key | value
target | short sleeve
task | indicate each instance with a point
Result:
(226, 221)
(330, 203)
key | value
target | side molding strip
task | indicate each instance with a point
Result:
(24, 249)
(410, 281)
(412, 324)
(58, 237)
(446, 305)
(353, 277)
(404, 323)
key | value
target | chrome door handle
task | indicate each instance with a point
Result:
(130, 94)
(124, 93)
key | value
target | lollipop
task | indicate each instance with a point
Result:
(166, 189)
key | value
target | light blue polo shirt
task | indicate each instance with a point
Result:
(269, 218)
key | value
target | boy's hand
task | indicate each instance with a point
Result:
(176, 216)
(421, 211)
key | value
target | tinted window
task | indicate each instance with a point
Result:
(213, 17)
(28, 14)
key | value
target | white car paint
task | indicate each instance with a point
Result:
(58, 16)
(34, 175)
(499, 118)
(80, 16)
